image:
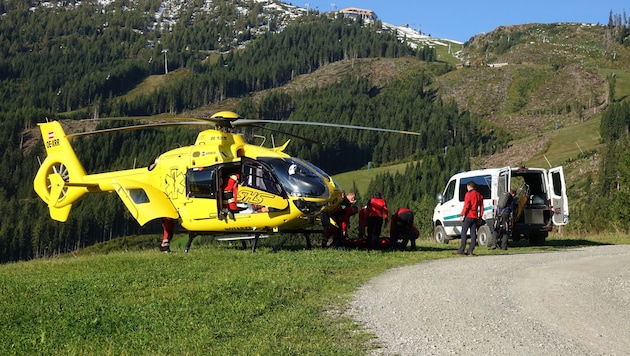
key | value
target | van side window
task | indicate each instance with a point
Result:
(482, 184)
(449, 193)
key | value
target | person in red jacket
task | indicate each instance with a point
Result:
(341, 218)
(168, 225)
(473, 209)
(376, 213)
(402, 229)
(230, 194)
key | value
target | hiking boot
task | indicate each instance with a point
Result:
(165, 248)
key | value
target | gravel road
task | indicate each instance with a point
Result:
(570, 302)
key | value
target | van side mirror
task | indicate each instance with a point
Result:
(440, 198)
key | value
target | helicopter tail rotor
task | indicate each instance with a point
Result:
(59, 179)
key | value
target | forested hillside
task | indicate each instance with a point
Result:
(78, 67)
(79, 61)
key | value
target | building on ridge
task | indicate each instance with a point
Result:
(356, 13)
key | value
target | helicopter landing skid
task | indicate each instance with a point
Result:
(243, 238)
(306, 233)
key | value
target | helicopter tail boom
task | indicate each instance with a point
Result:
(59, 180)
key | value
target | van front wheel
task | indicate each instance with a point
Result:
(484, 235)
(440, 235)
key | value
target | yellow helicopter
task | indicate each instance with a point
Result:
(275, 192)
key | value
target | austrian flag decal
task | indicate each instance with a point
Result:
(51, 135)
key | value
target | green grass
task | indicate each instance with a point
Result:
(444, 56)
(363, 177)
(622, 85)
(215, 300)
(154, 82)
(568, 143)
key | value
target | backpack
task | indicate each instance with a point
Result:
(503, 200)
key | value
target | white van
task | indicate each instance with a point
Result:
(541, 198)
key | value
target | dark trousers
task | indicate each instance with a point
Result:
(500, 239)
(402, 232)
(402, 236)
(468, 223)
(374, 227)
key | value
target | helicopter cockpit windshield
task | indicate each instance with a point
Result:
(298, 178)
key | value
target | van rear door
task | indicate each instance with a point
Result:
(558, 195)
(503, 183)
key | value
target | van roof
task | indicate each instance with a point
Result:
(491, 171)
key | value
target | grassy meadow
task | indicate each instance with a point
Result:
(362, 178)
(218, 299)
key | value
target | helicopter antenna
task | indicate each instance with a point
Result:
(273, 142)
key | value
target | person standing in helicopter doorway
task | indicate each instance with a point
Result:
(376, 214)
(230, 194)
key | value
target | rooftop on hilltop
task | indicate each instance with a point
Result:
(359, 13)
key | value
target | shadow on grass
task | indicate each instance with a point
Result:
(573, 243)
(298, 242)
(447, 247)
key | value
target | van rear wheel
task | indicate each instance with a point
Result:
(538, 238)
(440, 235)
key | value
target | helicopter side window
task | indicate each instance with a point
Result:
(201, 183)
(138, 196)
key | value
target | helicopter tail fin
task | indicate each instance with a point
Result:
(59, 180)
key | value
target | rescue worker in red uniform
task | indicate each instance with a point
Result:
(168, 225)
(341, 218)
(472, 210)
(230, 194)
(376, 215)
(402, 230)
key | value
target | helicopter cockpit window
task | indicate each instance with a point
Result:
(201, 183)
(298, 178)
(258, 176)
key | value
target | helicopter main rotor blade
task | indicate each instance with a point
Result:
(227, 119)
(219, 121)
(135, 127)
(289, 134)
(246, 122)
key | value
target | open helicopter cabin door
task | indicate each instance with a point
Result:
(259, 186)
